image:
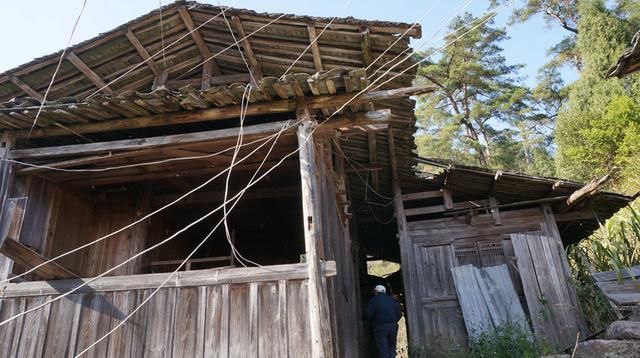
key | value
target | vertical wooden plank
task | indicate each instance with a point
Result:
(215, 327)
(283, 315)
(312, 219)
(10, 333)
(95, 322)
(270, 334)
(137, 325)
(159, 322)
(409, 273)
(121, 340)
(61, 327)
(252, 349)
(201, 318)
(186, 325)
(477, 318)
(550, 228)
(239, 329)
(299, 338)
(500, 297)
(75, 324)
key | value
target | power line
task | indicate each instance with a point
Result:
(55, 72)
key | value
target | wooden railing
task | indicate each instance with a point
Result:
(235, 312)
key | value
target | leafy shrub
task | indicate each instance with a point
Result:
(507, 341)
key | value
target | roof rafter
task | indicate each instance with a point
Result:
(88, 72)
(197, 38)
(25, 88)
(143, 53)
(254, 65)
(315, 49)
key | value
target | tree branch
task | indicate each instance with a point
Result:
(562, 22)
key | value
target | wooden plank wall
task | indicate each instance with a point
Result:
(6, 179)
(59, 219)
(441, 244)
(343, 290)
(256, 319)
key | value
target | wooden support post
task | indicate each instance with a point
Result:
(6, 181)
(447, 199)
(207, 71)
(373, 157)
(550, 228)
(256, 71)
(88, 72)
(315, 49)
(406, 251)
(366, 46)
(25, 88)
(495, 211)
(311, 211)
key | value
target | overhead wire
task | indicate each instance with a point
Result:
(55, 72)
(346, 4)
(145, 217)
(338, 110)
(233, 36)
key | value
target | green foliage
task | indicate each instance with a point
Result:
(615, 246)
(480, 114)
(505, 341)
(597, 131)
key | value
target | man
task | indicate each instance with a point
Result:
(384, 312)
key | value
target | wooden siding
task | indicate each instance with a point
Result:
(440, 244)
(267, 317)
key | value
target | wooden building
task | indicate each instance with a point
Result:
(138, 117)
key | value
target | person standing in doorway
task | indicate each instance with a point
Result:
(384, 312)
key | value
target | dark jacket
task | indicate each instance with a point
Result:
(383, 309)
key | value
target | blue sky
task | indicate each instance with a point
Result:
(33, 28)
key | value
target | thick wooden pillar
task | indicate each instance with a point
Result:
(311, 214)
(413, 309)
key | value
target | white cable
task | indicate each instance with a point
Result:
(146, 216)
(233, 44)
(132, 165)
(154, 55)
(233, 37)
(487, 18)
(149, 248)
(417, 22)
(46, 93)
(346, 4)
(148, 298)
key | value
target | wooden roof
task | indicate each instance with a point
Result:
(470, 183)
(629, 62)
(144, 104)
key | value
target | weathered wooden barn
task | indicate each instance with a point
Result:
(142, 115)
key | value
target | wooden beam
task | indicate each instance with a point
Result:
(312, 221)
(583, 193)
(442, 208)
(160, 80)
(495, 210)
(422, 195)
(256, 71)
(88, 72)
(315, 49)
(373, 157)
(218, 196)
(10, 230)
(409, 274)
(207, 71)
(197, 38)
(188, 138)
(195, 278)
(269, 107)
(25, 88)
(167, 174)
(371, 167)
(143, 53)
(27, 258)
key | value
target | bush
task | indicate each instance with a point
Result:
(505, 341)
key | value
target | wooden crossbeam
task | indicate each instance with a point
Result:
(10, 230)
(197, 38)
(270, 107)
(143, 53)
(25, 88)
(212, 81)
(254, 65)
(315, 49)
(217, 196)
(187, 138)
(88, 72)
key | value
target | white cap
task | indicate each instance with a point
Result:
(380, 288)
